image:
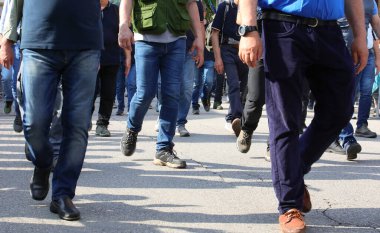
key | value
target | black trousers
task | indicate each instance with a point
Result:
(106, 88)
(255, 98)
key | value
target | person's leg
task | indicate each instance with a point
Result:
(78, 82)
(39, 88)
(219, 82)
(365, 99)
(171, 64)
(131, 84)
(186, 90)
(55, 134)
(255, 98)
(15, 71)
(197, 89)
(6, 80)
(232, 72)
(208, 79)
(120, 89)
(148, 57)
(107, 93)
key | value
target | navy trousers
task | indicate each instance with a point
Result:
(293, 54)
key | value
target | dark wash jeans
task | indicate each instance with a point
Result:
(42, 70)
(293, 53)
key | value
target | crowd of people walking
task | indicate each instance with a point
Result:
(58, 59)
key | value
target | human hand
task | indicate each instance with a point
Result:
(198, 45)
(125, 37)
(6, 53)
(250, 48)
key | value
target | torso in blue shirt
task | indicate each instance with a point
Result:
(61, 24)
(320, 9)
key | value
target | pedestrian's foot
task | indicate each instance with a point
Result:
(65, 209)
(236, 126)
(217, 105)
(17, 124)
(352, 149)
(39, 184)
(128, 142)
(292, 221)
(195, 111)
(243, 142)
(306, 201)
(206, 105)
(167, 157)
(182, 131)
(102, 131)
(228, 126)
(8, 107)
(119, 113)
(336, 148)
(365, 132)
(267, 155)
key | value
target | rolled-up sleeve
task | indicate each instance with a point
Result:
(13, 19)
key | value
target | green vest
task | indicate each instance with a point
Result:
(156, 16)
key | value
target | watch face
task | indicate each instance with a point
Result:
(241, 30)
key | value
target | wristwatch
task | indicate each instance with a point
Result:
(243, 29)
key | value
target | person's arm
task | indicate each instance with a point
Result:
(198, 30)
(377, 55)
(355, 15)
(250, 46)
(128, 61)
(125, 34)
(219, 67)
(10, 34)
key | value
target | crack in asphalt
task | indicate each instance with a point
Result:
(339, 223)
(261, 179)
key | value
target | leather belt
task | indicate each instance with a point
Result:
(311, 22)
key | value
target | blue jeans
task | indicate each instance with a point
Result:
(363, 84)
(152, 58)
(203, 82)
(190, 71)
(42, 70)
(10, 77)
(131, 84)
(6, 80)
(121, 84)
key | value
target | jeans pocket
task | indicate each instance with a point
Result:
(279, 28)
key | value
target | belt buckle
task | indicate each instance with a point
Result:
(315, 24)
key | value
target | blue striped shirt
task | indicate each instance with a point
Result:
(321, 9)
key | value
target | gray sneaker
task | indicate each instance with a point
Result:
(17, 124)
(102, 131)
(364, 132)
(128, 142)
(243, 142)
(182, 131)
(352, 149)
(167, 157)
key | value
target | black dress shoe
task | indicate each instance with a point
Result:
(65, 209)
(39, 184)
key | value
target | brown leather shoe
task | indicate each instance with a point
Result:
(292, 222)
(306, 201)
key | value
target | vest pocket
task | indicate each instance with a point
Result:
(144, 19)
(181, 18)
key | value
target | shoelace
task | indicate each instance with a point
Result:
(293, 214)
(131, 138)
(18, 121)
(245, 138)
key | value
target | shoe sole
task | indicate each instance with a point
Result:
(365, 136)
(236, 126)
(335, 152)
(238, 148)
(55, 210)
(352, 152)
(171, 165)
(103, 135)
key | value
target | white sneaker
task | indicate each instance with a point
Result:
(228, 127)
(182, 131)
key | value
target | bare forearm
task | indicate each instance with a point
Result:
(196, 24)
(125, 12)
(215, 44)
(355, 14)
(247, 12)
